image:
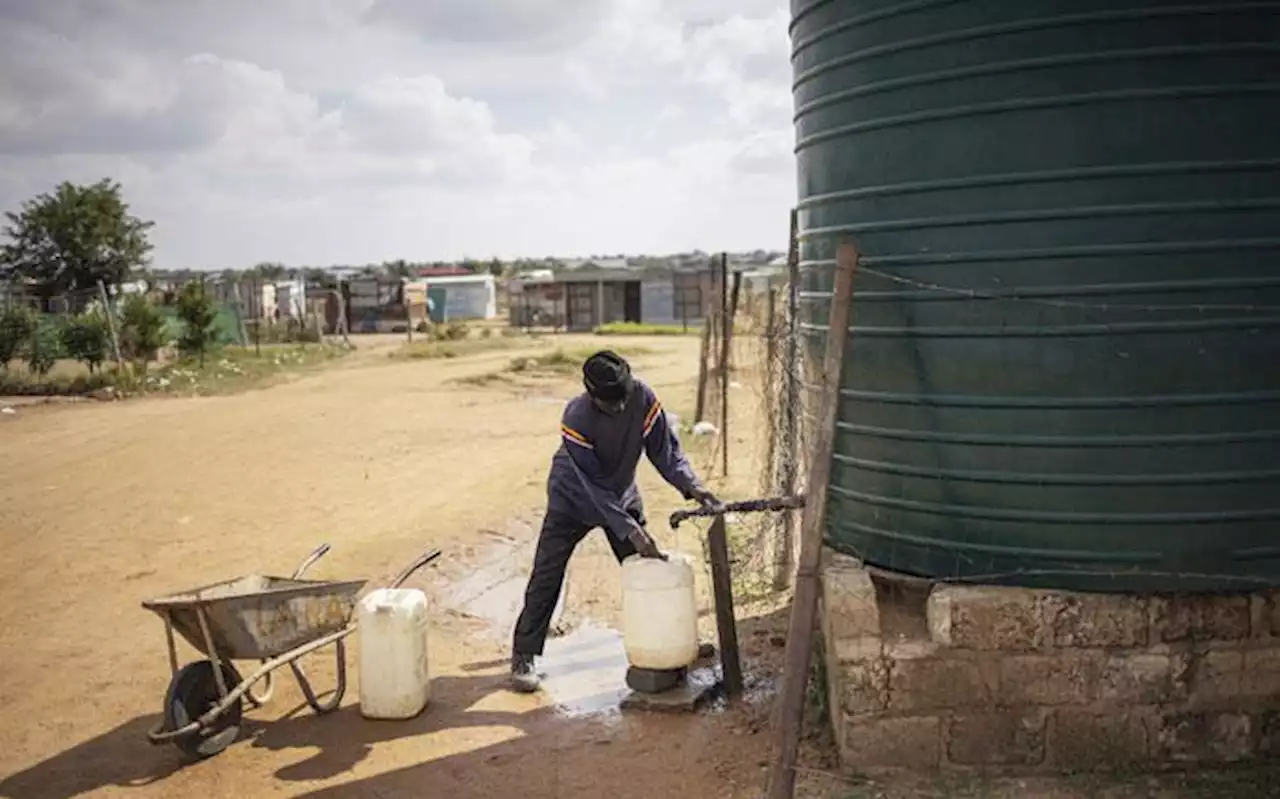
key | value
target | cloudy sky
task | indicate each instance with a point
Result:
(351, 131)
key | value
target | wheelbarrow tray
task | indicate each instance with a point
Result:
(258, 617)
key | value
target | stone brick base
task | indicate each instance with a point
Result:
(957, 677)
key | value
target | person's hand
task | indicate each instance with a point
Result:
(645, 545)
(706, 499)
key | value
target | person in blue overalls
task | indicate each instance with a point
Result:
(592, 484)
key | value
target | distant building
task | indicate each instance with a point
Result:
(291, 298)
(584, 299)
(462, 296)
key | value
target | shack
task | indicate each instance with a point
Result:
(585, 299)
(462, 296)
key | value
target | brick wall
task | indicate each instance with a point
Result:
(1030, 680)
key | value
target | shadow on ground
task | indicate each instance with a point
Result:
(474, 740)
(119, 758)
(541, 754)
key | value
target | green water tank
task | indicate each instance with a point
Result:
(1064, 363)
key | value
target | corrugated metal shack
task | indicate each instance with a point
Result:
(585, 299)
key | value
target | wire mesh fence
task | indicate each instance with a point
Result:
(763, 375)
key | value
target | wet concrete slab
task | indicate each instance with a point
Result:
(698, 688)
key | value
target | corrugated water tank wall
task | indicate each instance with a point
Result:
(1064, 367)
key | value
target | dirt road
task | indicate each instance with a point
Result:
(105, 505)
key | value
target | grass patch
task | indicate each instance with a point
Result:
(227, 370)
(644, 329)
(236, 369)
(441, 350)
(22, 384)
(483, 380)
(562, 361)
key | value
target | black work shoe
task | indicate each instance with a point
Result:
(524, 676)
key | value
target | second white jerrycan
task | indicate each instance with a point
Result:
(395, 681)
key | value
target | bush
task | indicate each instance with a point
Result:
(85, 338)
(422, 327)
(198, 313)
(17, 385)
(453, 331)
(43, 349)
(142, 330)
(16, 326)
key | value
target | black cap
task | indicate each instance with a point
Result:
(607, 376)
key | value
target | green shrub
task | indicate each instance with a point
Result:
(85, 338)
(43, 349)
(16, 326)
(198, 313)
(21, 385)
(142, 330)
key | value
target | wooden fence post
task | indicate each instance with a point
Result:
(111, 325)
(704, 353)
(804, 604)
(726, 336)
(790, 432)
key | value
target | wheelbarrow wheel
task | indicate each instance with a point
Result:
(192, 692)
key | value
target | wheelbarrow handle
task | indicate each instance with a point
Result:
(422, 560)
(316, 554)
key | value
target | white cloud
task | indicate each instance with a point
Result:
(325, 131)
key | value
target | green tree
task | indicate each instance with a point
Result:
(43, 348)
(142, 330)
(495, 267)
(74, 237)
(319, 277)
(399, 269)
(198, 312)
(16, 326)
(269, 270)
(85, 338)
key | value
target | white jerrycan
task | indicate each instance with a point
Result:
(394, 679)
(659, 612)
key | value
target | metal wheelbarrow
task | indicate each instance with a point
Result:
(274, 620)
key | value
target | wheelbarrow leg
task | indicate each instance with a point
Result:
(338, 692)
(173, 646)
(213, 653)
(263, 697)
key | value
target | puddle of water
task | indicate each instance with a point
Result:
(585, 672)
(494, 591)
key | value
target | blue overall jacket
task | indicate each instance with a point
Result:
(593, 474)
